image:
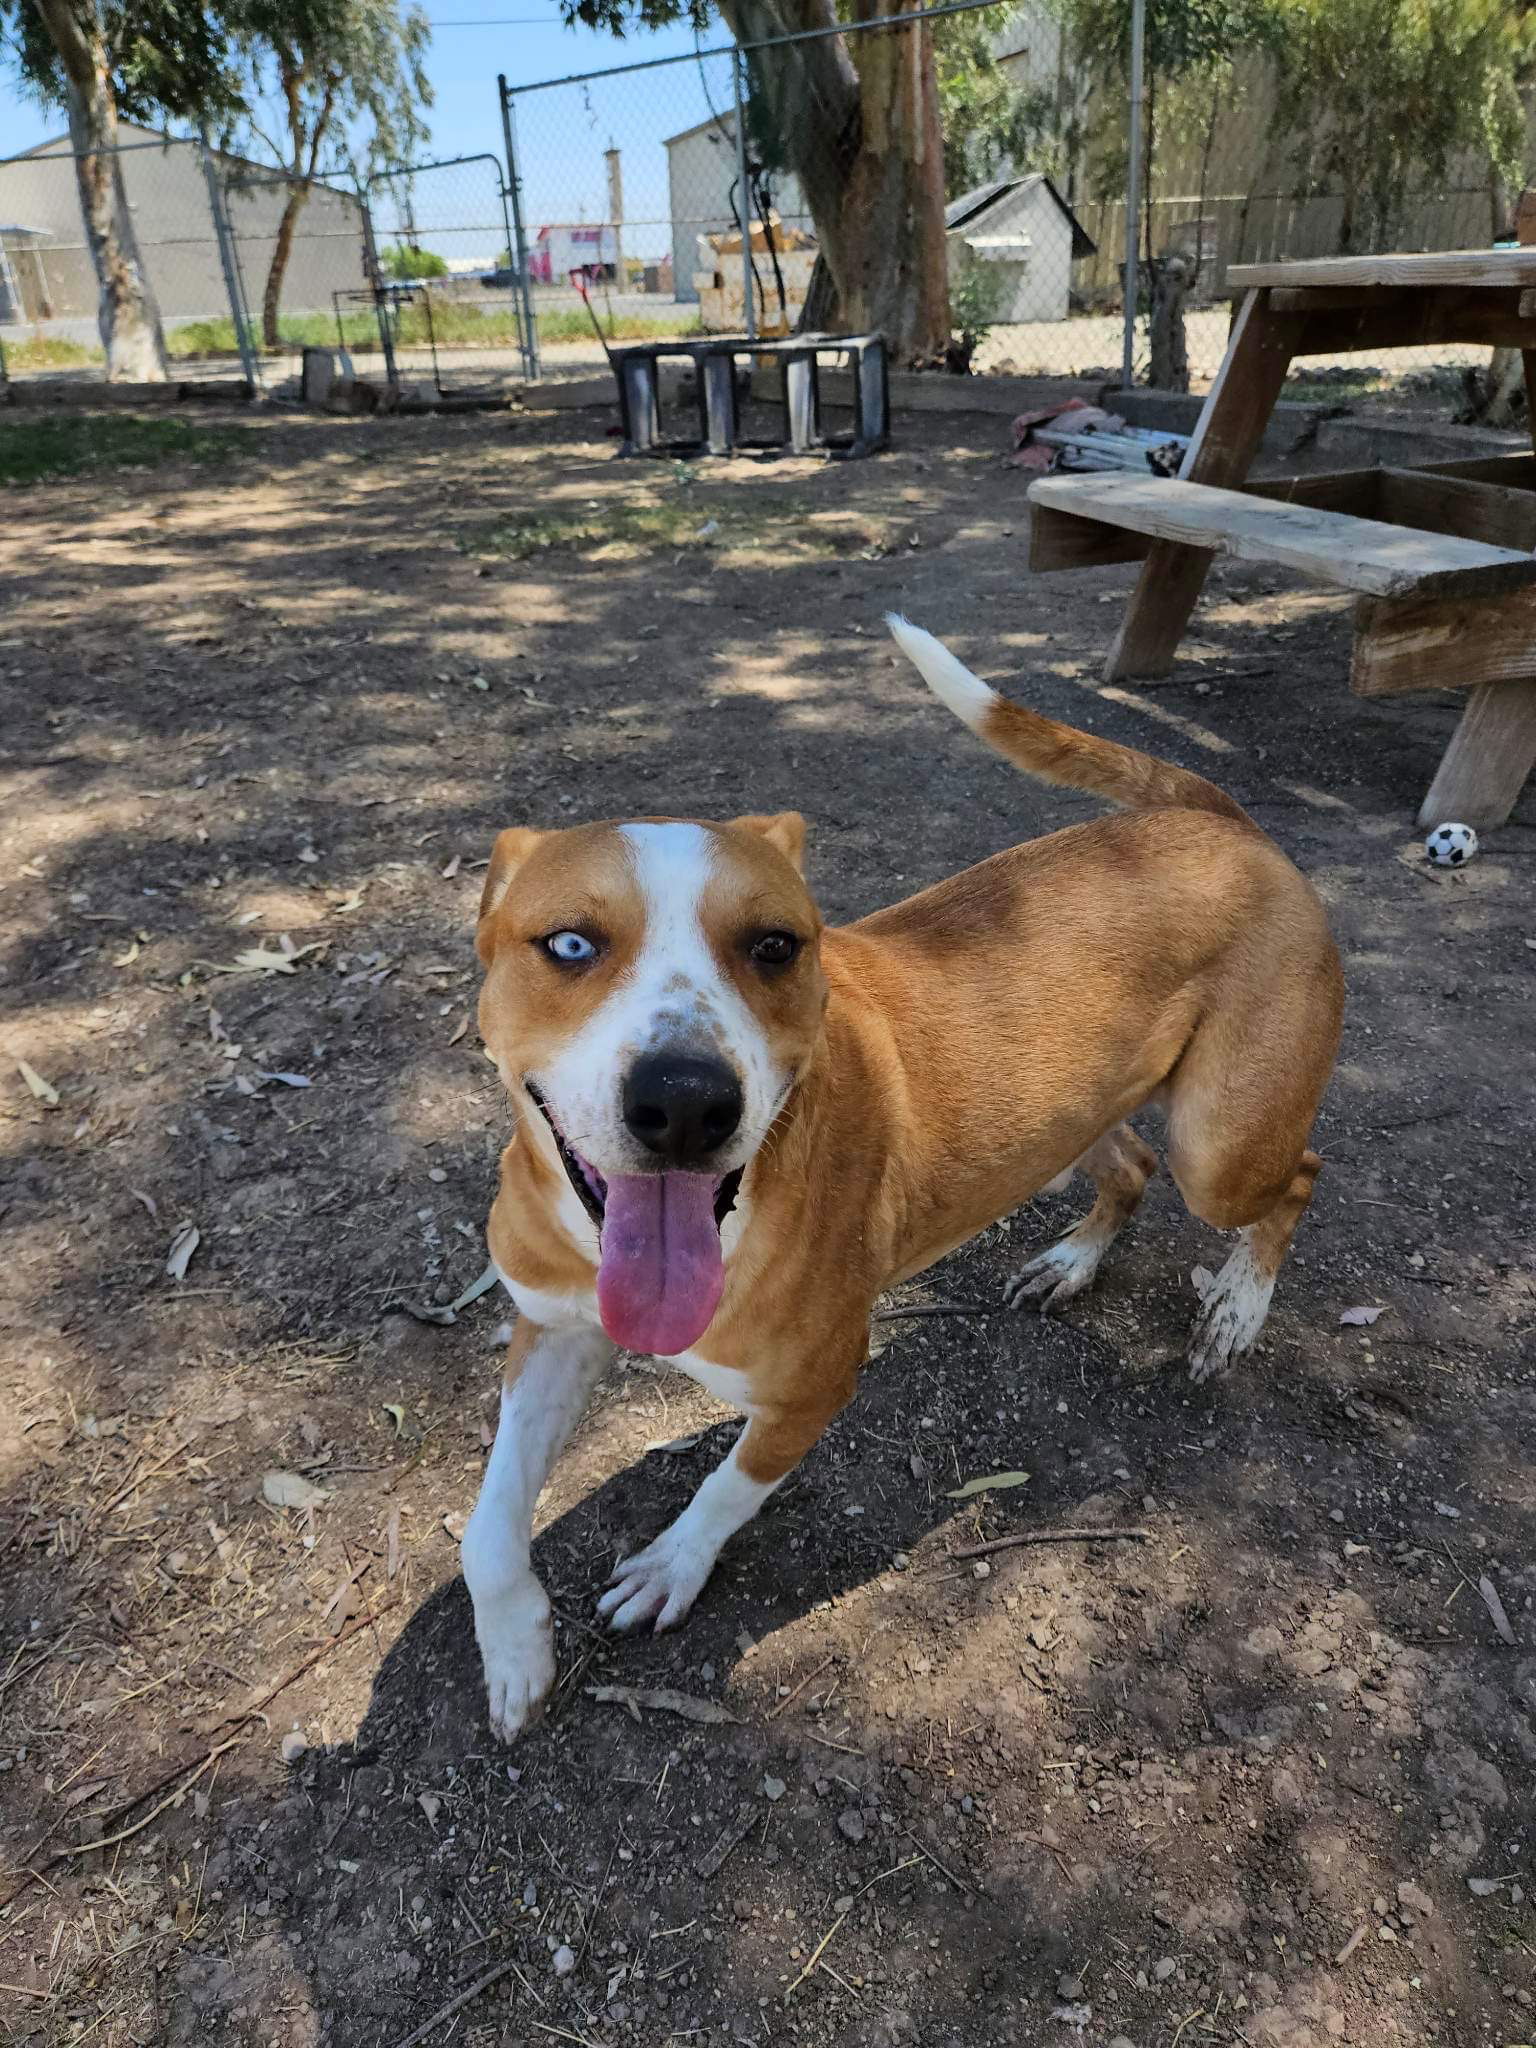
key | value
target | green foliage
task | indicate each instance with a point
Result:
(455, 326)
(42, 352)
(403, 261)
(1376, 97)
(33, 449)
(165, 56)
(990, 125)
(976, 293)
(314, 72)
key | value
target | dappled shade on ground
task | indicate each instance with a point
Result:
(1167, 1783)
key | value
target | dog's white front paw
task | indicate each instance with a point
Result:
(1056, 1274)
(658, 1583)
(517, 1645)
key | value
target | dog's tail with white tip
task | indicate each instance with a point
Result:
(1053, 752)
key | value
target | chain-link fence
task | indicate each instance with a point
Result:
(667, 186)
(662, 191)
(1233, 173)
(48, 287)
(241, 275)
(670, 196)
(450, 292)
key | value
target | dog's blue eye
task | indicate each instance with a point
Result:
(569, 947)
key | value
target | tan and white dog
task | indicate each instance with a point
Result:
(736, 1128)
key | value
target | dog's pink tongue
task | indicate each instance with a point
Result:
(660, 1275)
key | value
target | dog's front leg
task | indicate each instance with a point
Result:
(661, 1582)
(549, 1375)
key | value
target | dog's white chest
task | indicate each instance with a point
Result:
(725, 1382)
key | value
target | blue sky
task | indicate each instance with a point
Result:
(562, 134)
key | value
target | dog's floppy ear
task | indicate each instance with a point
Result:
(512, 848)
(784, 829)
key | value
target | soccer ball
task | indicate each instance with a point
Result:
(1451, 846)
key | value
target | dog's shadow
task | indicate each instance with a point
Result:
(429, 1697)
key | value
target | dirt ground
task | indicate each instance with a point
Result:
(1266, 1777)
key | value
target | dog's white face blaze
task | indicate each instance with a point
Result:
(674, 994)
(671, 911)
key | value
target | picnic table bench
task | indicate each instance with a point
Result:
(1440, 555)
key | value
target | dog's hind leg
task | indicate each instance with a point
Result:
(1241, 1104)
(1119, 1165)
(1236, 1303)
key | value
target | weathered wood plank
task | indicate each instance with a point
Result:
(1490, 318)
(1226, 439)
(1459, 505)
(1061, 540)
(1437, 267)
(1441, 644)
(1492, 752)
(1336, 548)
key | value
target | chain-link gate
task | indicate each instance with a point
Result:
(301, 264)
(449, 291)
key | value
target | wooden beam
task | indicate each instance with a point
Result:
(1060, 540)
(1226, 439)
(1516, 471)
(1491, 754)
(1440, 644)
(1417, 320)
(1459, 505)
(1446, 267)
(1332, 547)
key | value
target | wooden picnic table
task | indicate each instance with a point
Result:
(1439, 554)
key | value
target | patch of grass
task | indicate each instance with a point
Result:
(677, 520)
(1334, 385)
(571, 324)
(454, 325)
(40, 353)
(32, 450)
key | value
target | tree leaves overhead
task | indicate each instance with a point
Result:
(168, 57)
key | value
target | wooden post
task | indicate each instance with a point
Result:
(1225, 442)
(1485, 767)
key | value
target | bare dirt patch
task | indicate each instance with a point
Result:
(1264, 1778)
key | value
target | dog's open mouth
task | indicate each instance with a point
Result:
(590, 1184)
(661, 1270)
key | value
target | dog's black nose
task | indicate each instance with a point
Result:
(681, 1108)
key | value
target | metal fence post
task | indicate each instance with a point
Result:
(520, 253)
(743, 201)
(1133, 193)
(233, 289)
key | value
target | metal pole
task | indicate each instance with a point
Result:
(1133, 193)
(381, 300)
(225, 240)
(520, 252)
(743, 200)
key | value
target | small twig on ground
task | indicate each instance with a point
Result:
(258, 1700)
(959, 1883)
(790, 1698)
(170, 1799)
(933, 1308)
(597, 1905)
(906, 1863)
(1054, 1536)
(815, 1956)
(141, 1479)
(444, 2012)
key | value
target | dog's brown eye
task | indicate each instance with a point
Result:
(775, 949)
